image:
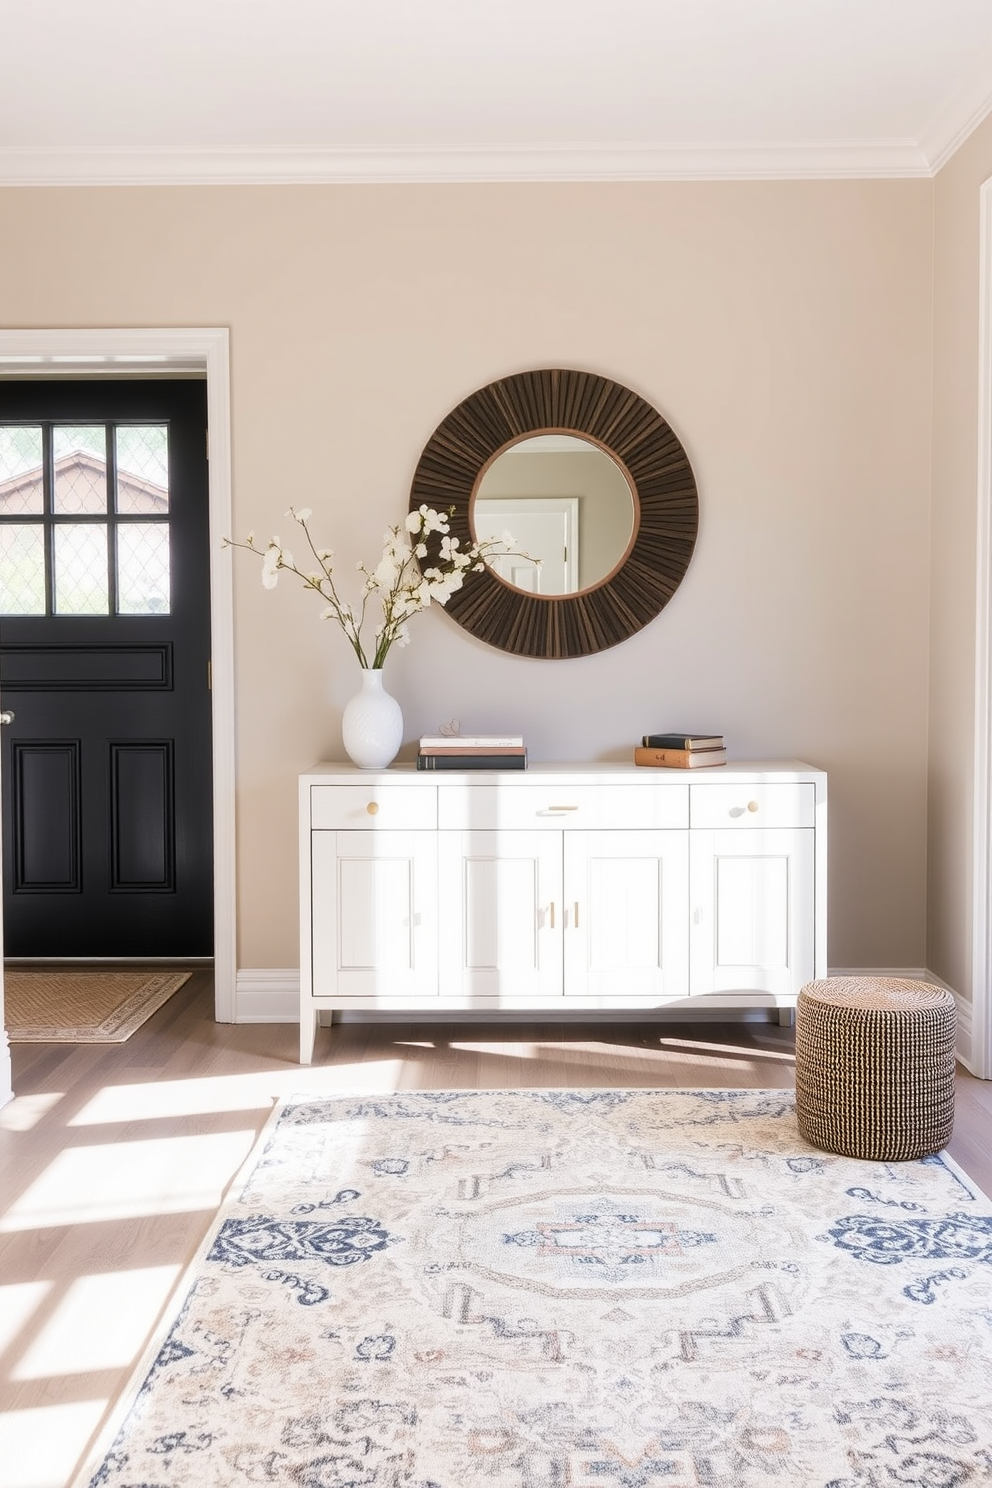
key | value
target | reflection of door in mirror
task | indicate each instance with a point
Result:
(546, 529)
(565, 501)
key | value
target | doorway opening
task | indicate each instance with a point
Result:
(104, 669)
(141, 353)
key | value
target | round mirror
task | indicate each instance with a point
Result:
(654, 541)
(568, 505)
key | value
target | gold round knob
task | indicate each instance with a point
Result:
(752, 805)
(372, 808)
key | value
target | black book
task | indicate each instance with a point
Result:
(471, 761)
(682, 741)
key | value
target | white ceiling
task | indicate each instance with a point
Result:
(434, 90)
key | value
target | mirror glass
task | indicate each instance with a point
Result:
(565, 501)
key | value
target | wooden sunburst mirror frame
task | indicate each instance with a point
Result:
(666, 508)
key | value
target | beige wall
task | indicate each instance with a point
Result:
(953, 564)
(784, 329)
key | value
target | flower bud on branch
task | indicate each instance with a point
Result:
(400, 587)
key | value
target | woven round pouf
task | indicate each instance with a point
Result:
(875, 1067)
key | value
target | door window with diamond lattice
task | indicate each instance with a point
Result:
(84, 519)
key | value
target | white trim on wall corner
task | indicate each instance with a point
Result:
(960, 113)
(981, 962)
(145, 351)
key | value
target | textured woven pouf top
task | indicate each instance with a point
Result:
(875, 1067)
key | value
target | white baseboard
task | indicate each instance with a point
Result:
(908, 973)
(964, 1043)
(267, 995)
(272, 995)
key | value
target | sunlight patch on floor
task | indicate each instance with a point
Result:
(25, 1111)
(39, 1448)
(101, 1323)
(154, 1100)
(129, 1179)
(704, 1050)
(510, 1049)
(570, 1054)
(18, 1301)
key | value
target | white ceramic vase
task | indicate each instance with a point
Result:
(372, 724)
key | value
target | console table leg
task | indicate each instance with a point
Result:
(308, 1032)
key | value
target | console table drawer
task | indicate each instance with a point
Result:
(561, 807)
(780, 804)
(372, 807)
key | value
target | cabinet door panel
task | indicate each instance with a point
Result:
(501, 903)
(375, 914)
(626, 908)
(752, 911)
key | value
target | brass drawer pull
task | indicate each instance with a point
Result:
(373, 808)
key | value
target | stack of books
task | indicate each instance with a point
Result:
(472, 752)
(681, 751)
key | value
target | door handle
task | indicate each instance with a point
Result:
(7, 716)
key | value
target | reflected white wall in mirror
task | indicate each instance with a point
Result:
(565, 501)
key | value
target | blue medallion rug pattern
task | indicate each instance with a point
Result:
(571, 1289)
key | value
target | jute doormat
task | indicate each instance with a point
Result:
(83, 1007)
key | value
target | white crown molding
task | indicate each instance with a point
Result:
(959, 114)
(399, 164)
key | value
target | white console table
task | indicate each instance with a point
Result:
(589, 888)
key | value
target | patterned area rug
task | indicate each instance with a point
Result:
(571, 1289)
(83, 1007)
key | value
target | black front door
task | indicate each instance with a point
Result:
(104, 662)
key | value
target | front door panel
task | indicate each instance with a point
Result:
(104, 661)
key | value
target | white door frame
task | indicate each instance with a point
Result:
(150, 352)
(981, 962)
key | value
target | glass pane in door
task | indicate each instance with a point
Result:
(143, 568)
(22, 568)
(81, 586)
(22, 488)
(143, 469)
(80, 456)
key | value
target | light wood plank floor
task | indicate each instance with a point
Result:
(113, 1159)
